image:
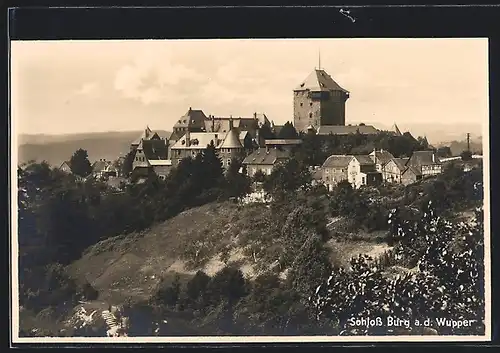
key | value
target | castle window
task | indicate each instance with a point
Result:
(310, 104)
(310, 115)
(228, 162)
(301, 104)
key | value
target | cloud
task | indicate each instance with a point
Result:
(88, 89)
(155, 79)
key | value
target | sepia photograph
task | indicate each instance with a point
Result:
(230, 190)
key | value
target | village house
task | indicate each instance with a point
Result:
(380, 158)
(362, 171)
(265, 159)
(393, 170)
(64, 167)
(334, 170)
(421, 164)
(358, 170)
(426, 162)
(103, 169)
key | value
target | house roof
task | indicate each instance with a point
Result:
(261, 119)
(222, 124)
(283, 142)
(319, 80)
(346, 130)
(160, 162)
(412, 170)
(192, 117)
(337, 161)
(419, 158)
(153, 149)
(364, 160)
(99, 166)
(266, 157)
(400, 163)
(63, 164)
(382, 156)
(231, 140)
(199, 140)
(277, 128)
(174, 136)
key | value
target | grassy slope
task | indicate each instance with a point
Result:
(131, 266)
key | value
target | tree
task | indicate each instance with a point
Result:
(444, 151)
(466, 155)
(266, 133)
(126, 167)
(287, 132)
(80, 164)
(237, 184)
(212, 170)
(287, 177)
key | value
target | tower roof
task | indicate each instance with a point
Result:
(396, 130)
(232, 140)
(319, 80)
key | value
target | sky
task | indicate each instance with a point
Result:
(60, 87)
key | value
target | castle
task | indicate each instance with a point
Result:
(318, 106)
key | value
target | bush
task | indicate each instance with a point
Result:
(448, 284)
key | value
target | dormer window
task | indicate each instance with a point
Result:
(302, 84)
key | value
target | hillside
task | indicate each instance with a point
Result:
(131, 266)
(56, 149)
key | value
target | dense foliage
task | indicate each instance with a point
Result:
(60, 216)
(448, 282)
(316, 148)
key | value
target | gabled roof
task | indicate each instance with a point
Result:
(412, 170)
(261, 119)
(319, 80)
(174, 136)
(99, 166)
(65, 163)
(420, 158)
(382, 156)
(346, 130)
(400, 163)
(364, 159)
(231, 140)
(152, 149)
(266, 157)
(337, 161)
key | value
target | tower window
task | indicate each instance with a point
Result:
(310, 115)
(301, 104)
(310, 104)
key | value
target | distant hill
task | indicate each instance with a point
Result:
(55, 149)
(436, 133)
(457, 147)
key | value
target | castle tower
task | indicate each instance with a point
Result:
(318, 101)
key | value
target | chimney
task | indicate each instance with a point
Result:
(213, 123)
(433, 158)
(189, 108)
(255, 115)
(267, 148)
(257, 136)
(188, 138)
(231, 123)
